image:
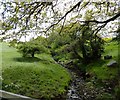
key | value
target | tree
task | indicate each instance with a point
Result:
(79, 43)
(31, 48)
(13, 43)
(91, 45)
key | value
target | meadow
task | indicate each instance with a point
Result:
(38, 77)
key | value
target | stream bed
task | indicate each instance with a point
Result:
(78, 89)
(73, 91)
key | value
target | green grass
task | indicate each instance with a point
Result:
(103, 76)
(100, 68)
(111, 48)
(38, 77)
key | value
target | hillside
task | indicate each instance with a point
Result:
(33, 77)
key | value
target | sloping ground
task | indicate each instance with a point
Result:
(100, 68)
(38, 77)
(106, 79)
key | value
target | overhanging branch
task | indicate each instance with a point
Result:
(77, 5)
(101, 22)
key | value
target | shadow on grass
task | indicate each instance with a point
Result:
(99, 62)
(27, 59)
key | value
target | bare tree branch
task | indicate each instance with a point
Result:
(101, 22)
(65, 14)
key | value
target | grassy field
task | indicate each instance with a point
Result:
(38, 77)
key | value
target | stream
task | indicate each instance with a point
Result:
(76, 82)
(77, 89)
(73, 91)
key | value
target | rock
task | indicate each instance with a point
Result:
(74, 97)
(107, 57)
(69, 92)
(112, 63)
(87, 75)
(85, 93)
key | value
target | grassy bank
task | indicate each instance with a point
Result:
(100, 68)
(38, 77)
(106, 79)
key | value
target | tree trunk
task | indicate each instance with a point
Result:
(32, 54)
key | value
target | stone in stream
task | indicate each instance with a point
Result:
(74, 97)
(112, 63)
(69, 92)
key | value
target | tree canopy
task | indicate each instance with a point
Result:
(44, 17)
(32, 47)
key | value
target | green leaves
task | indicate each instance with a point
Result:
(32, 47)
(17, 9)
(89, 14)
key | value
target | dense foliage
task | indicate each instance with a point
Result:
(32, 47)
(76, 44)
